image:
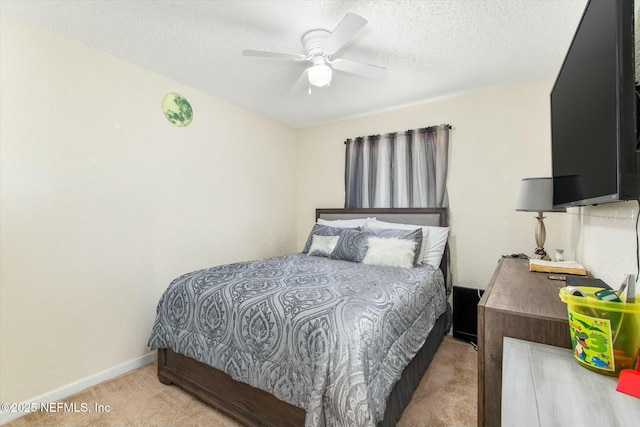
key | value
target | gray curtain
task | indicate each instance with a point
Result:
(398, 170)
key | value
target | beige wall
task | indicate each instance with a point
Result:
(104, 202)
(499, 136)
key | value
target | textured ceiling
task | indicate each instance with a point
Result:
(431, 48)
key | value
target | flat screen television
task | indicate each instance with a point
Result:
(594, 110)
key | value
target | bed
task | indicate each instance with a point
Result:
(343, 386)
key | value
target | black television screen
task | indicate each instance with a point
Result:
(593, 110)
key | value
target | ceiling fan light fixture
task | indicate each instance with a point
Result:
(320, 75)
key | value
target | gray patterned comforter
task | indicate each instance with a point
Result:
(329, 336)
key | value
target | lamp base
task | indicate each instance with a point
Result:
(540, 253)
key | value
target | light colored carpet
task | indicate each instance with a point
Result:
(448, 393)
(446, 396)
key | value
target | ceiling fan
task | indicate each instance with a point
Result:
(320, 46)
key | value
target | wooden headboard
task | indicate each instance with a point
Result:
(437, 217)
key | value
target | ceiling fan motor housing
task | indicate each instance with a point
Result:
(313, 42)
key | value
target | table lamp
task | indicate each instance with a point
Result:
(536, 195)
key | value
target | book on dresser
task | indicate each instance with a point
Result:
(562, 267)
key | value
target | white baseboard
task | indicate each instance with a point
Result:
(73, 388)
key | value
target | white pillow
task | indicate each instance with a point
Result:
(391, 252)
(322, 245)
(434, 239)
(374, 223)
(436, 242)
(344, 223)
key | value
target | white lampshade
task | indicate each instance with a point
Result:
(320, 75)
(536, 195)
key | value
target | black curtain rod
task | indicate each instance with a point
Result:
(427, 129)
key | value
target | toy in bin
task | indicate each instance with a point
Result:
(605, 331)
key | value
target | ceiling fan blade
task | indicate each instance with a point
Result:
(275, 55)
(360, 68)
(346, 29)
(302, 84)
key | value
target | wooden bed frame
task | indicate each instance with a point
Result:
(254, 407)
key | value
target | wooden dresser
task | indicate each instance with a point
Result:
(520, 304)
